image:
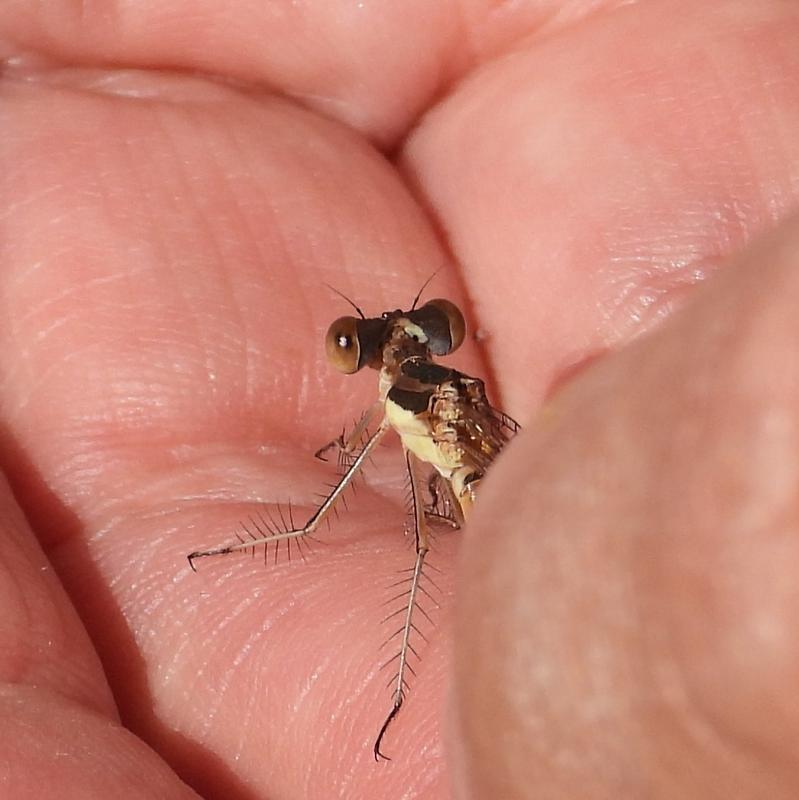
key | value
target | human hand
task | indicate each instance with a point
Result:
(166, 238)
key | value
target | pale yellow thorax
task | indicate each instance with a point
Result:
(414, 431)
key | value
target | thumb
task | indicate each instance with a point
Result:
(627, 624)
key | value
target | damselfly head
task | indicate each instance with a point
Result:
(352, 343)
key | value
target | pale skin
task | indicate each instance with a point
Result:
(627, 601)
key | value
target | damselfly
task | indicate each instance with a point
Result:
(446, 426)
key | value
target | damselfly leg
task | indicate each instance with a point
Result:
(411, 608)
(268, 536)
(349, 446)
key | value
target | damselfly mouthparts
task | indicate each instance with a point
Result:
(445, 423)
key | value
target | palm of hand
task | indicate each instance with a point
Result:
(166, 239)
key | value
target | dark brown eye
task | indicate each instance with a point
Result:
(446, 328)
(342, 345)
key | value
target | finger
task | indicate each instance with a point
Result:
(59, 725)
(587, 182)
(631, 629)
(164, 313)
(43, 642)
(374, 67)
(49, 741)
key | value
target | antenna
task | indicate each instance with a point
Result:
(424, 286)
(344, 297)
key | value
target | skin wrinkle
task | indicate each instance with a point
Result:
(45, 330)
(20, 661)
(275, 240)
(231, 675)
(39, 632)
(154, 234)
(198, 326)
(17, 205)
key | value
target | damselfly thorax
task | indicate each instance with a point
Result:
(449, 432)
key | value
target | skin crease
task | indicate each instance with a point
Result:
(177, 183)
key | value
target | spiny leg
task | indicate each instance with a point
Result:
(269, 535)
(400, 681)
(444, 506)
(348, 446)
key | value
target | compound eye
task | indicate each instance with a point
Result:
(342, 345)
(456, 324)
